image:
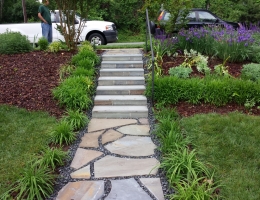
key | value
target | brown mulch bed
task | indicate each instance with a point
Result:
(26, 81)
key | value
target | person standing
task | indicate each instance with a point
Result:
(45, 17)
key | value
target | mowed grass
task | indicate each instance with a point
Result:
(22, 134)
(231, 143)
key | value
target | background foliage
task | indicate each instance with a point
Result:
(130, 14)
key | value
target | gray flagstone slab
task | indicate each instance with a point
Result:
(110, 166)
(135, 129)
(81, 173)
(96, 124)
(82, 190)
(154, 186)
(83, 157)
(127, 189)
(90, 139)
(110, 135)
(132, 146)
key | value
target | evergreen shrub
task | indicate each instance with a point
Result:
(14, 42)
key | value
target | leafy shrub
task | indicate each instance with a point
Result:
(43, 43)
(80, 71)
(52, 157)
(55, 46)
(74, 92)
(76, 119)
(85, 54)
(14, 42)
(85, 46)
(36, 182)
(86, 63)
(216, 90)
(251, 72)
(63, 133)
(180, 71)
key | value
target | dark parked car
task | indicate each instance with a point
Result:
(197, 17)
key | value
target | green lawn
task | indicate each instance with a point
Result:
(231, 144)
(22, 134)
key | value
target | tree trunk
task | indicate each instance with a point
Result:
(1, 9)
(24, 11)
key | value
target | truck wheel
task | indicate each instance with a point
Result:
(96, 39)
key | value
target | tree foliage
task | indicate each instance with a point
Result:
(130, 14)
(67, 11)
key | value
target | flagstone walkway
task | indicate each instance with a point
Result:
(128, 163)
(115, 159)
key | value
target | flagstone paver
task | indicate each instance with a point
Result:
(132, 146)
(143, 121)
(135, 130)
(90, 139)
(154, 186)
(81, 173)
(83, 157)
(110, 166)
(110, 135)
(82, 190)
(127, 189)
(100, 124)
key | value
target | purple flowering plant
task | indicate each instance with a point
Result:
(222, 42)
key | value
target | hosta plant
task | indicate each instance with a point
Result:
(251, 72)
(62, 133)
(180, 71)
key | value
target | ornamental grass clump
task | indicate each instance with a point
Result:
(52, 157)
(62, 133)
(76, 119)
(187, 175)
(74, 92)
(36, 182)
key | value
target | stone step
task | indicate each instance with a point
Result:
(116, 100)
(120, 90)
(122, 64)
(123, 57)
(120, 112)
(122, 72)
(123, 80)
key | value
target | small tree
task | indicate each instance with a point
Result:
(179, 9)
(67, 11)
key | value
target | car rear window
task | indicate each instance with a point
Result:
(206, 17)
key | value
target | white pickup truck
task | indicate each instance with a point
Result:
(100, 32)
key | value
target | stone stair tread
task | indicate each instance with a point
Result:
(122, 109)
(123, 69)
(122, 62)
(133, 57)
(119, 87)
(120, 97)
(121, 78)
